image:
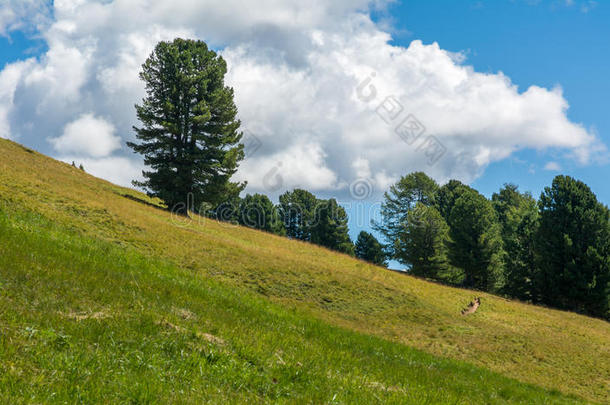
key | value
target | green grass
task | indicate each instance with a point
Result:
(105, 296)
(86, 321)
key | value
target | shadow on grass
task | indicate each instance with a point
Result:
(142, 201)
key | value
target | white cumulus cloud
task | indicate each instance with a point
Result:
(23, 15)
(319, 84)
(87, 135)
(9, 78)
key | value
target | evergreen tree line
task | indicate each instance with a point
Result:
(554, 251)
(299, 215)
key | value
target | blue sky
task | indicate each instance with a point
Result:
(303, 109)
(17, 46)
(534, 43)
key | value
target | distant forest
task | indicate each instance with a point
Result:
(553, 251)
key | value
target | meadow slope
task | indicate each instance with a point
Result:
(559, 351)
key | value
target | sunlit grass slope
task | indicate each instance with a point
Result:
(87, 321)
(100, 290)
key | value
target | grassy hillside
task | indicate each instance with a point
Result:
(105, 296)
(87, 321)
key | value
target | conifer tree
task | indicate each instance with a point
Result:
(518, 216)
(423, 244)
(297, 210)
(447, 195)
(189, 135)
(330, 228)
(411, 189)
(368, 248)
(573, 249)
(258, 212)
(476, 242)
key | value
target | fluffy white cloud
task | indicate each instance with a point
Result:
(298, 165)
(358, 89)
(23, 15)
(88, 135)
(9, 78)
(318, 83)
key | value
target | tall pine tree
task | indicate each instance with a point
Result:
(423, 243)
(368, 248)
(297, 210)
(258, 212)
(329, 227)
(476, 242)
(518, 216)
(411, 189)
(189, 135)
(447, 195)
(573, 249)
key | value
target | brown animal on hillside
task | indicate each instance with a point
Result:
(472, 307)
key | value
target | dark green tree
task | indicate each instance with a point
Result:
(329, 227)
(258, 212)
(447, 195)
(476, 242)
(297, 210)
(518, 217)
(573, 249)
(399, 200)
(226, 211)
(507, 199)
(369, 249)
(423, 244)
(189, 135)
